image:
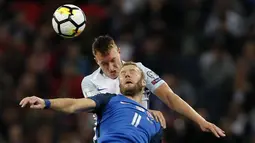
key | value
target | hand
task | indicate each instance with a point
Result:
(209, 127)
(33, 101)
(158, 116)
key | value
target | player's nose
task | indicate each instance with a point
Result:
(111, 67)
(127, 75)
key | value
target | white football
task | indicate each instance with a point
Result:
(68, 21)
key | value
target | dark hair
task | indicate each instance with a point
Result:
(102, 44)
(134, 64)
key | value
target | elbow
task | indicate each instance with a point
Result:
(168, 99)
(166, 94)
(171, 105)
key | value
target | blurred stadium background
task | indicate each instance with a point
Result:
(204, 49)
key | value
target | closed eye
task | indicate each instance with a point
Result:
(122, 72)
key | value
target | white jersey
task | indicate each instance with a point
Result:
(97, 82)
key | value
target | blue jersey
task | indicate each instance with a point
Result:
(121, 119)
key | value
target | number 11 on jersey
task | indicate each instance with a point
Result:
(136, 120)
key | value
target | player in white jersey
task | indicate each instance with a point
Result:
(105, 79)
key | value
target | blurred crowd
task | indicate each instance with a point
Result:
(204, 49)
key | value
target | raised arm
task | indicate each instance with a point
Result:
(173, 101)
(67, 105)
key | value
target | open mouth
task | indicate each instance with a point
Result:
(128, 82)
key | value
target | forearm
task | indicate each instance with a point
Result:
(184, 108)
(173, 101)
(69, 105)
(63, 104)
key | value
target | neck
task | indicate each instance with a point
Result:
(137, 97)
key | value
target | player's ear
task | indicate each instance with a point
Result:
(118, 50)
(96, 60)
(143, 83)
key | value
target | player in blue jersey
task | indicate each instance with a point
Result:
(121, 117)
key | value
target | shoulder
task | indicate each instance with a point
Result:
(147, 72)
(102, 100)
(87, 84)
(87, 80)
(140, 65)
(153, 81)
(103, 96)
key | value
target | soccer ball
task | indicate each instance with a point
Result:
(68, 21)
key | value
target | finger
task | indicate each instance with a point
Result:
(220, 131)
(33, 100)
(212, 129)
(30, 102)
(21, 102)
(156, 118)
(38, 106)
(162, 120)
(24, 103)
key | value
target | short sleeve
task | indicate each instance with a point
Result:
(153, 81)
(88, 88)
(101, 101)
(157, 138)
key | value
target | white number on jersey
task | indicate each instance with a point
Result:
(136, 120)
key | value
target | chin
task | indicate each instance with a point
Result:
(129, 87)
(113, 76)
